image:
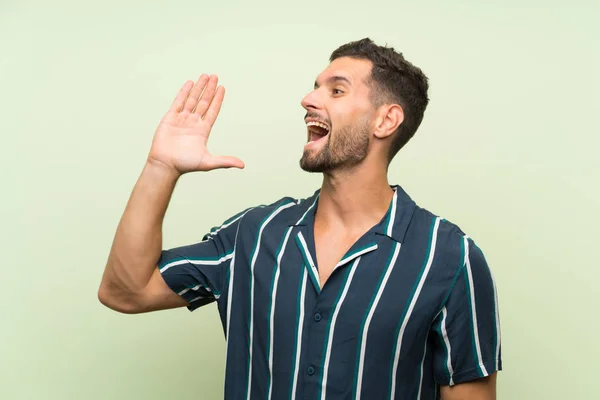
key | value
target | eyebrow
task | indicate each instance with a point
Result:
(334, 79)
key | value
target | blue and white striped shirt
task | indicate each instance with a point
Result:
(411, 306)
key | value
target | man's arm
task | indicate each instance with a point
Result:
(466, 332)
(480, 389)
(131, 282)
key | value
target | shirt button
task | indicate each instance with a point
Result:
(318, 317)
(310, 370)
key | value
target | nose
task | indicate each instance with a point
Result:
(311, 101)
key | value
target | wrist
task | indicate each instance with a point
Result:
(160, 170)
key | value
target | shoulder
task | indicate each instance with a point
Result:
(286, 210)
(451, 241)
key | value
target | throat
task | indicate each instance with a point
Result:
(331, 246)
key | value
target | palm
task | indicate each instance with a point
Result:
(181, 138)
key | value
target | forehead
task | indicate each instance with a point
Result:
(357, 71)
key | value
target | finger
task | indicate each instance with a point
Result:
(181, 96)
(215, 106)
(215, 162)
(192, 100)
(207, 96)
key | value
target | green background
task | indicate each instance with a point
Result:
(507, 149)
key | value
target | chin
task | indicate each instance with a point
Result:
(310, 167)
(309, 164)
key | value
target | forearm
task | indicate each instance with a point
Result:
(137, 243)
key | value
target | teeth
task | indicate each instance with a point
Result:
(319, 124)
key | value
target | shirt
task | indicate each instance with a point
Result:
(411, 306)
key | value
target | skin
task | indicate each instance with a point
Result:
(355, 192)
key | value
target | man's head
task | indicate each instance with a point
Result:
(368, 100)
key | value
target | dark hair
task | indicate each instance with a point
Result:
(393, 80)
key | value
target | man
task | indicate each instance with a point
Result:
(354, 292)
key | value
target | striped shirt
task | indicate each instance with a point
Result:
(410, 307)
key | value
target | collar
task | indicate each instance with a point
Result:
(394, 224)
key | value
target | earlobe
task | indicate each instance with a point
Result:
(390, 120)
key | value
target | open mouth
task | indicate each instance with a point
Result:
(316, 130)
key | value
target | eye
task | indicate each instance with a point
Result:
(337, 91)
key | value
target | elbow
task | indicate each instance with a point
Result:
(119, 302)
(116, 294)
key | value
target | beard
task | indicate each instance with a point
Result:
(349, 149)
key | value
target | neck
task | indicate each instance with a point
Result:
(354, 200)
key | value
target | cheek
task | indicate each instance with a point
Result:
(351, 124)
(346, 113)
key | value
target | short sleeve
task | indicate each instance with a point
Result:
(198, 272)
(466, 333)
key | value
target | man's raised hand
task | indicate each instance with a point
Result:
(180, 141)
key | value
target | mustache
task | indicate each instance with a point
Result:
(314, 115)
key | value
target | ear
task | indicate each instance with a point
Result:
(390, 116)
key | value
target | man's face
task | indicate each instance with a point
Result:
(339, 117)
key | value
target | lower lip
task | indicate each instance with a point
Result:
(314, 143)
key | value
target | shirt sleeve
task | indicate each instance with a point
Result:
(198, 272)
(466, 333)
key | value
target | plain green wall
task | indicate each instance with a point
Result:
(508, 150)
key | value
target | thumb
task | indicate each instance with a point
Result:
(215, 162)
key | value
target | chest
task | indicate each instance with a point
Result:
(330, 248)
(280, 300)
(312, 283)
